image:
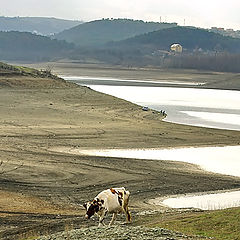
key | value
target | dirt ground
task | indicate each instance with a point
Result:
(42, 190)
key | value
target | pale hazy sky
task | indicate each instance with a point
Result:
(201, 13)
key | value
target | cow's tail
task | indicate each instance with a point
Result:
(126, 195)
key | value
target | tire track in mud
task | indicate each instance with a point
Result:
(93, 133)
(4, 164)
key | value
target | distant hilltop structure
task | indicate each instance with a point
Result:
(176, 47)
(226, 32)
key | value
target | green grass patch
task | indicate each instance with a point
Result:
(26, 69)
(221, 224)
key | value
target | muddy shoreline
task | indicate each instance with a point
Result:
(34, 120)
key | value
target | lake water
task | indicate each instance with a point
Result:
(199, 107)
(223, 160)
(212, 201)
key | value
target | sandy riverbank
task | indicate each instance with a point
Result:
(41, 117)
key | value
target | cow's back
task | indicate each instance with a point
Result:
(111, 199)
(125, 194)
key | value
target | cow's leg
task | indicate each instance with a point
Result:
(101, 218)
(113, 218)
(128, 215)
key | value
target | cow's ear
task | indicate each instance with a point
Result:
(85, 206)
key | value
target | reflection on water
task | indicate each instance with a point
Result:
(204, 202)
(224, 160)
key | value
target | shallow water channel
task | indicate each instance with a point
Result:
(199, 107)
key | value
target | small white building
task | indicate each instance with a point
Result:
(176, 47)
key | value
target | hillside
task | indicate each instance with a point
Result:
(28, 46)
(40, 25)
(101, 31)
(201, 50)
(189, 38)
(24, 77)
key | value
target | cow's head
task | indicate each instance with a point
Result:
(93, 207)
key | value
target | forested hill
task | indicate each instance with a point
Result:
(189, 38)
(27, 46)
(40, 25)
(98, 32)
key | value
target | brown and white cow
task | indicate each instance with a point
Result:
(113, 200)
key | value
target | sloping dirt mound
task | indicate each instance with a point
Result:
(119, 232)
(22, 77)
(33, 82)
(22, 215)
